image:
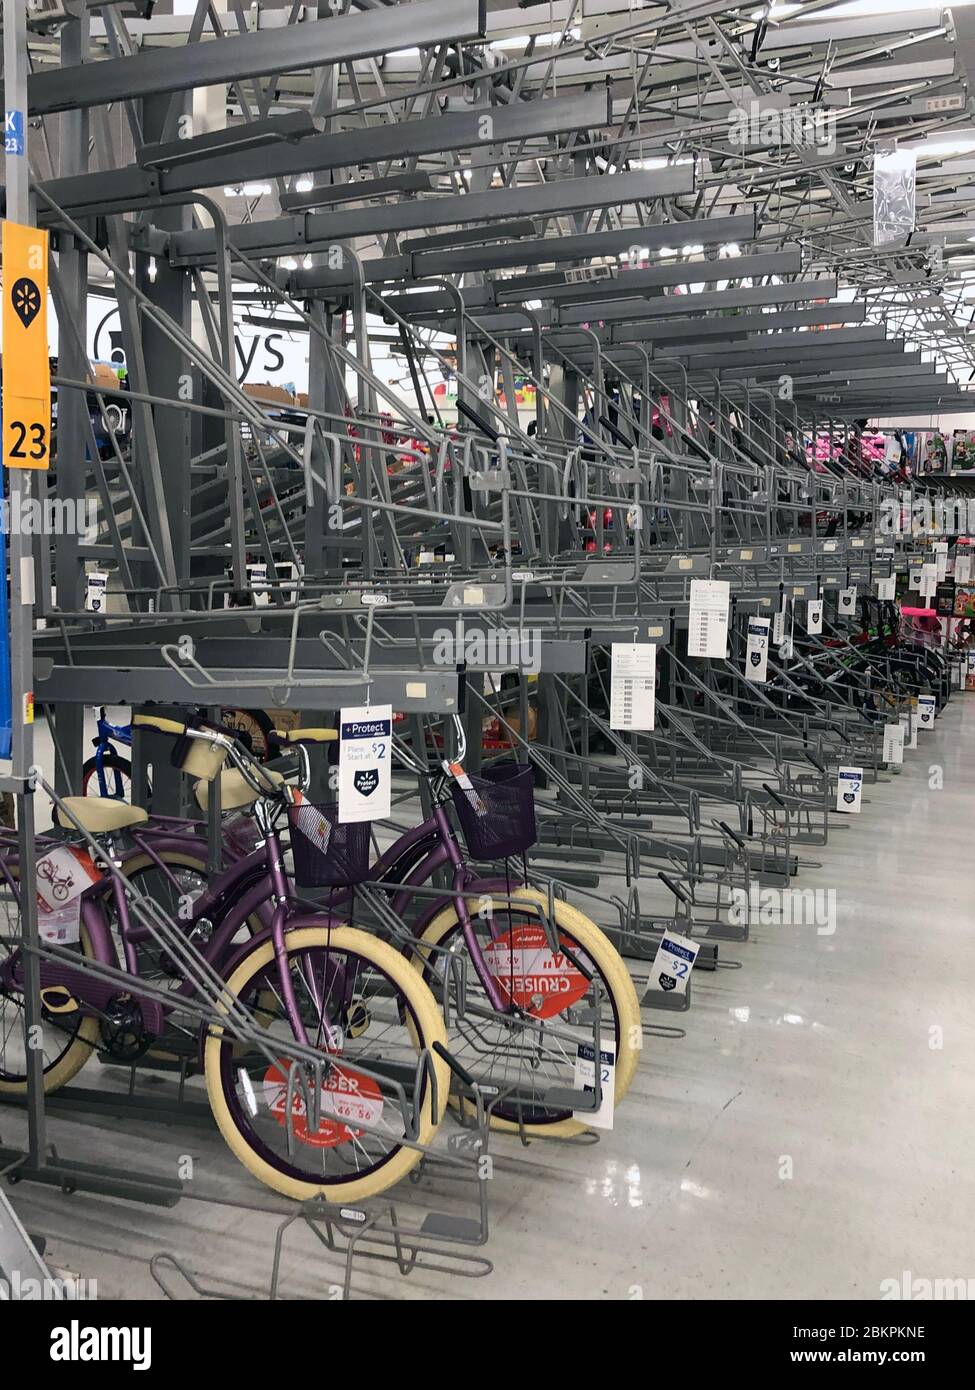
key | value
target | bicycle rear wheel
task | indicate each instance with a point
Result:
(370, 1016)
(66, 1037)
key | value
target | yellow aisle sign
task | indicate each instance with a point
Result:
(26, 369)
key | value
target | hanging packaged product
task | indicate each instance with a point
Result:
(926, 712)
(632, 693)
(365, 778)
(894, 735)
(941, 558)
(944, 598)
(849, 788)
(847, 604)
(814, 617)
(707, 628)
(963, 568)
(929, 580)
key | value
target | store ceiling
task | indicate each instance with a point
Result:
(821, 84)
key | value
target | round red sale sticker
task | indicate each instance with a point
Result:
(347, 1098)
(539, 980)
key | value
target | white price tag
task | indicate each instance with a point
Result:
(894, 735)
(673, 963)
(929, 580)
(96, 593)
(814, 616)
(456, 771)
(365, 780)
(848, 600)
(941, 559)
(778, 627)
(926, 712)
(632, 696)
(708, 622)
(756, 651)
(887, 588)
(849, 788)
(585, 1080)
(963, 568)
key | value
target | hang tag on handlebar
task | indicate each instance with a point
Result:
(456, 771)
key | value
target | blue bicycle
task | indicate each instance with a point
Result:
(107, 773)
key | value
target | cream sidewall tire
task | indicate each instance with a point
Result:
(601, 952)
(431, 1023)
(75, 1056)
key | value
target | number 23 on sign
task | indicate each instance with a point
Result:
(26, 369)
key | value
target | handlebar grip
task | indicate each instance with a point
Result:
(820, 767)
(155, 721)
(677, 889)
(773, 794)
(733, 834)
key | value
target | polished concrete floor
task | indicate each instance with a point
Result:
(810, 1136)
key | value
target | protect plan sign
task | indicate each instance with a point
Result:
(756, 653)
(673, 963)
(365, 780)
(849, 789)
(926, 707)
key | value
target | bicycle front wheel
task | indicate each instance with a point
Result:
(370, 1016)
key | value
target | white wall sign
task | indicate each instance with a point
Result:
(365, 778)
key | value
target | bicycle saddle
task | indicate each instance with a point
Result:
(235, 792)
(98, 814)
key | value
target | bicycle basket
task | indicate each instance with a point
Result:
(327, 854)
(498, 815)
(197, 757)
